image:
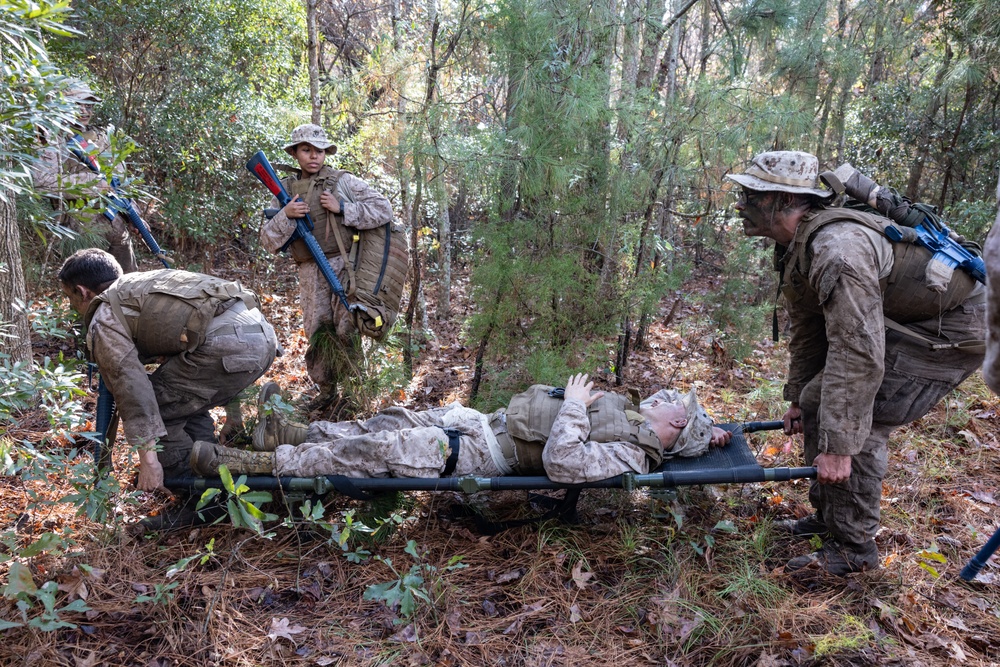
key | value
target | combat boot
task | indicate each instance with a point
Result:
(838, 559)
(806, 527)
(206, 457)
(273, 429)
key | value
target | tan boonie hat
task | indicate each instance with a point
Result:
(782, 171)
(697, 435)
(314, 135)
(78, 91)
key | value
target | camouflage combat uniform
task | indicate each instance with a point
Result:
(991, 255)
(403, 443)
(364, 208)
(172, 404)
(58, 170)
(854, 380)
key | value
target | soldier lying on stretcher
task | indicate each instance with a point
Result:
(572, 436)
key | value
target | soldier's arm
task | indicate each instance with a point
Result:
(126, 377)
(845, 272)
(364, 206)
(276, 231)
(570, 458)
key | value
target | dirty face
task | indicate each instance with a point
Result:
(309, 157)
(757, 209)
(84, 112)
(78, 296)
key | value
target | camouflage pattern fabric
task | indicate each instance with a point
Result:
(57, 170)
(365, 208)
(172, 404)
(403, 443)
(991, 255)
(854, 381)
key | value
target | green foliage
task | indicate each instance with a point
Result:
(163, 592)
(53, 385)
(243, 505)
(31, 99)
(422, 582)
(200, 90)
(21, 587)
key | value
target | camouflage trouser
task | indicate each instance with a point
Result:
(991, 255)
(394, 443)
(188, 385)
(915, 379)
(116, 233)
(332, 361)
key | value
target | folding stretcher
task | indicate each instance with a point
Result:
(732, 464)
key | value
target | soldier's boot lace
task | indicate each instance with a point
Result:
(274, 429)
(206, 457)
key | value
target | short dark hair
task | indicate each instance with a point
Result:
(93, 268)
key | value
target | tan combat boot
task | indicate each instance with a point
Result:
(206, 457)
(273, 430)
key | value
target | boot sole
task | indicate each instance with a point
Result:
(202, 454)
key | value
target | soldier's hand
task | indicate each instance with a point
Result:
(793, 419)
(720, 437)
(832, 468)
(150, 472)
(577, 387)
(330, 202)
(296, 209)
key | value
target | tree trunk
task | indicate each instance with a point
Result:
(925, 133)
(15, 334)
(313, 48)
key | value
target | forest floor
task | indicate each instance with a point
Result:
(693, 581)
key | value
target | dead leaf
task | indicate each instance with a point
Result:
(454, 621)
(406, 634)
(513, 575)
(580, 578)
(957, 623)
(89, 661)
(984, 497)
(73, 585)
(574, 614)
(281, 628)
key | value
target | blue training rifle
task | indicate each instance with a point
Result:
(118, 205)
(918, 223)
(264, 172)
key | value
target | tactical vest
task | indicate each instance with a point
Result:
(168, 312)
(328, 225)
(377, 260)
(905, 295)
(612, 417)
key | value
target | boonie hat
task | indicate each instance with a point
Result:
(314, 135)
(782, 171)
(697, 435)
(79, 91)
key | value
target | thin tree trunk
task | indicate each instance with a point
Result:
(313, 48)
(925, 133)
(969, 96)
(15, 334)
(411, 309)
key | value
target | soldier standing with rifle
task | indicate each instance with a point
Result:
(337, 202)
(74, 189)
(871, 347)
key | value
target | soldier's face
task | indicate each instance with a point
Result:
(84, 112)
(756, 209)
(310, 158)
(79, 297)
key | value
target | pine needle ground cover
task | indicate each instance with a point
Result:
(691, 581)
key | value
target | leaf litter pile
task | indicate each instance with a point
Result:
(635, 581)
